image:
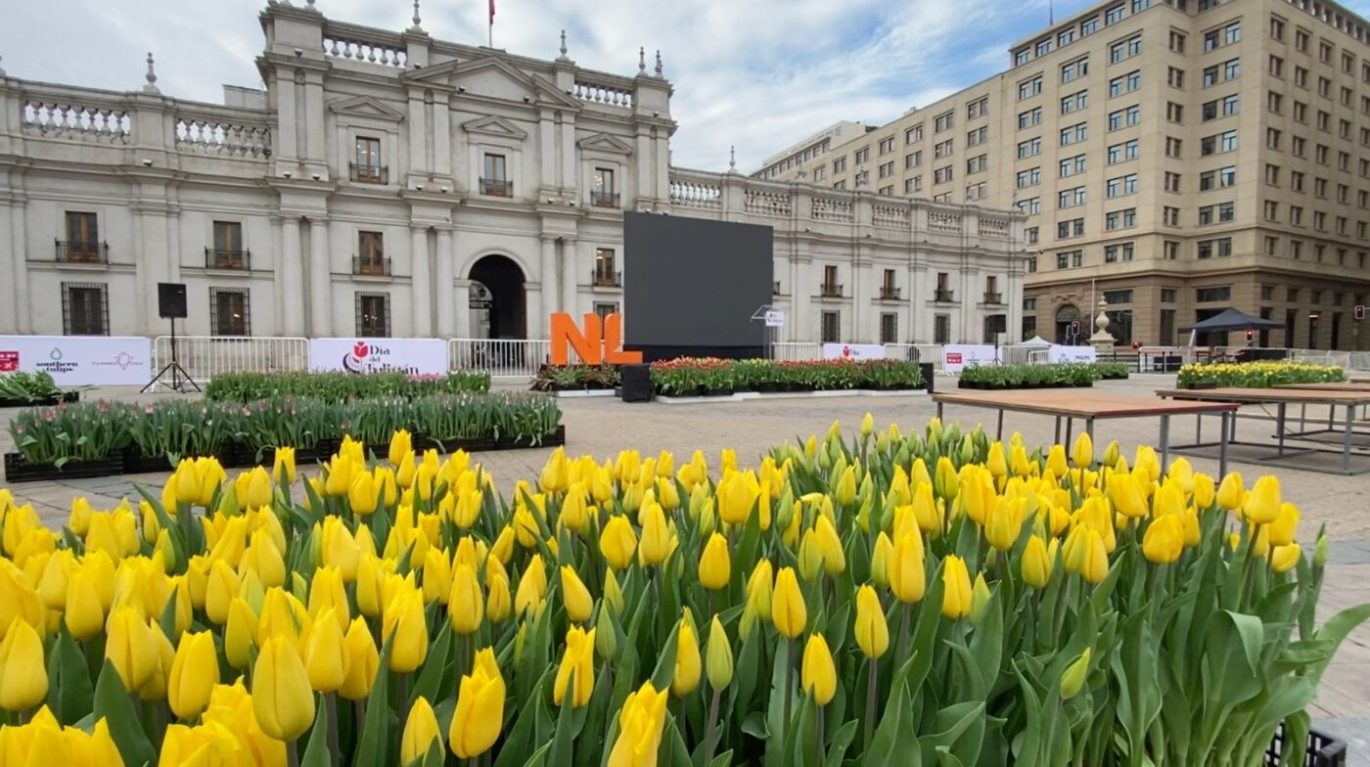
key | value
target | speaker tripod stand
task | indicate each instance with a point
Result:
(179, 378)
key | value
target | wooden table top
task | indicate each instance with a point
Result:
(1076, 403)
(1353, 385)
(1301, 396)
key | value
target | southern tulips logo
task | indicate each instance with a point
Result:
(354, 361)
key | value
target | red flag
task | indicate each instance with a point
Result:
(492, 11)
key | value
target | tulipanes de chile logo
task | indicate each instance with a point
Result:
(371, 357)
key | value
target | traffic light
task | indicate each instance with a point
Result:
(1360, 311)
(1250, 334)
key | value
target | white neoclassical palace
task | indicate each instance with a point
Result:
(391, 184)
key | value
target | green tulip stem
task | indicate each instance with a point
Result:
(904, 616)
(818, 748)
(292, 754)
(332, 703)
(681, 722)
(711, 728)
(1032, 619)
(789, 682)
(358, 718)
(403, 698)
(710, 614)
(872, 684)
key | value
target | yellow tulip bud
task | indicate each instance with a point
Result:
(363, 661)
(719, 656)
(283, 465)
(421, 731)
(480, 708)
(465, 603)
(194, 673)
(131, 648)
(578, 665)
(1073, 679)
(405, 626)
(818, 675)
(788, 610)
(281, 696)
(687, 661)
(618, 542)
(656, 542)
(361, 493)
(1083, 452)
(220, 589)
(574, 596)
(1262, 506)
(1283, 529)
(499, 603)
(401, 444)
(240, 634)
(24, 677)
(880, 559)
(906, 569)
(1232, 493)
(532, 586)
(1282, 558)
(1204, 492)
(956, 595)
(760, 586)
(1038, 562)
(979, 598)
(1094, 562)
(946, 482)
(872, 632)
(1164, 539)
(325, 657)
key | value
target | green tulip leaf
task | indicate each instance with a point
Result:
(839, 742)
(665, 665)
(539, 757)
(564, 736)
(520, 738)
(316, 753)
(70, 694)
(724, 759)
(114, 703)
(374, 743)
(430, 678)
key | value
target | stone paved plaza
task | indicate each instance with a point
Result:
(601, 426)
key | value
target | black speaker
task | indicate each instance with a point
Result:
(998, 323)
(171, 300)
(637, 382)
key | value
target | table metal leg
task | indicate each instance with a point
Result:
(1058, 431)
(1089, 428)
(1279, 425)
(999, 432)
(1303, 416)
(1227, 418)
(939, 411)
(1165, 442)
(1199, 429)
(1070, 426)
(1346, 440)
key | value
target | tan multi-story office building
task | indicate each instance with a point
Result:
(1174, 157)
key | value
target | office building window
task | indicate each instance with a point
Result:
(1074, 134)
(941, 328)
(1123, 152)
(1124, 118)
(1070, 198)
(1029, 148)
(1210, 295)
(1125, 83)
(914, 135)
(1075, 102)
(832, 327)
(1170, 250)
(944, 121)
(1125, 49)
(230, 312)
(1030, 207)
(366, 164)
(1074, 70)
(1175, 78)
(1073, 228)
(1029, 177)
(1120, 219)
(977, 108)
(495, 181)
(1072, 166)
(977, 164)
(85, 309)
(373, 315)
(1030, 87)
(371, 254)
(886, 145)
(1170, 216)
(1221, 247)
(889, 328)
(1122, 185)
(1119, 252)
(1029, 118)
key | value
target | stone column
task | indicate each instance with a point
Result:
(462, 308)
(418, 139)
(568, 280)
(442, 136)
(550, 302)
(150, 266)
(14, 312)
(287, 120)
(445, 295)
(313, 124)
(422, 284)
(804, 313)
(290, 273)
(320, 281)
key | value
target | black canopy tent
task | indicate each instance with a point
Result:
(1229, 320)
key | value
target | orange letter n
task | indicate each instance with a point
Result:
(565, 334)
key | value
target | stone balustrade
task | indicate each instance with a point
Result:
(603, 94)
(217, 137)
(76, 122)
(349, 48)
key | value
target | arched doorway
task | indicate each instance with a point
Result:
(1069, 327)
(498, 299)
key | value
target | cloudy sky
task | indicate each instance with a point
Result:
(758, 74)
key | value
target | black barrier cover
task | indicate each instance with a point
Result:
(691, 286)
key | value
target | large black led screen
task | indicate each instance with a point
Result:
(691, 286)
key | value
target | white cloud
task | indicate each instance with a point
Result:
(758, 74)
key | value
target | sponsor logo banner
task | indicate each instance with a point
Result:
(412, 356)
(80, 361)
(1072, 354)
(956, 357)
(853, 351)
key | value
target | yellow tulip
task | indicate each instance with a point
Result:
(362, 494)
(23, 671)
(687, 660)
(817, 675)
(1282, 558)
(1094, 557)
(465, 603)
(1164, 539)
(194, 673)
(221, 587)
(640, 723)
(480, 708)
(555, 473)
(1005, 523)
(405, 471)
(719, 656)
(325, 657)
(906, 569)
(363, 661)
(1083, 451)
(618, 542)
(1056, 461)
(407, 629)
(1232, 492)
(1204, 491)
(258, 486)
(715, 565)
(401, 444)
(760, 587)
(283, 465)
(656, 542)
(1284, 527)
(499, 605)
(1073, 680)
(574, 596)
(1038, 562)
(264, 559)
(1262, 506)
(131, 648)
(84, 616)
(995, 462)
(281, 696)
(845, 491)
(421, 731)
(578, 664)
(867, 424)
(872, 632)
(830, 546)
(788, 610)
(880, 559)
(1127, 497)
(945, 482)
(956, 595)
(532, 586)
(979, 598)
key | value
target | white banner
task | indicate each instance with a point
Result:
(80, 360)
(1059, 353)
(853, 352)
(414, 356)
(955, 357)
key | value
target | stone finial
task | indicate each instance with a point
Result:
(417, 20)
(563, 45)
(658, 63)
(732, 159)
(642, 61)
(151, 76)
(2, 69)
(310, 3)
